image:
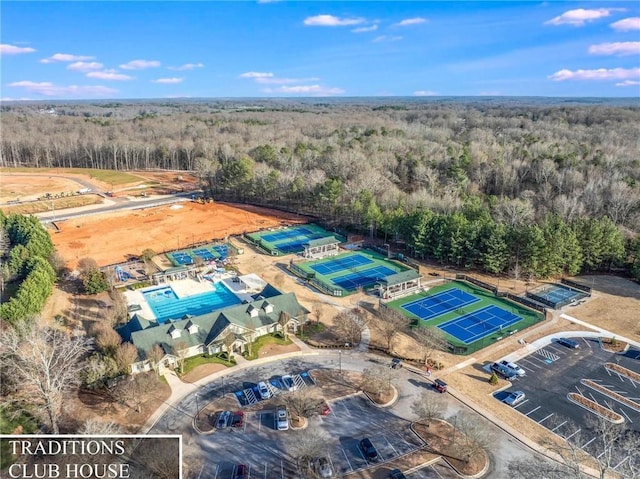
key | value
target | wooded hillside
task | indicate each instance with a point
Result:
(362, 164)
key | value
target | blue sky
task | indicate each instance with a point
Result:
(87, 50)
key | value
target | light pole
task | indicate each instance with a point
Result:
(340, 360)
(197, 407)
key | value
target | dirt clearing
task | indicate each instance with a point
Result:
(115, 237)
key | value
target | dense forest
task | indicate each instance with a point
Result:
(528, 187)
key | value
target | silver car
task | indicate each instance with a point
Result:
(514, 398)
(514, 367)
(282, 418)
(263, 390)
(287, 382)
(322, 467)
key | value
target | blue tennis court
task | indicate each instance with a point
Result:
(557, 294)
(204, 254)
(182, 258)
(365, 278)
(438, 304)
(479, 324)
(338, 264)
(283, 235)
(222, 250)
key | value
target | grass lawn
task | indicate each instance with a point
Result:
(263, 341)
(108, 176)
(529, 317)
(195, 361)
(8, 425)
(306, 331)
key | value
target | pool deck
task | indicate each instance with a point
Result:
(182, 288)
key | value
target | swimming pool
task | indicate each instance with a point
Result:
(166, 305)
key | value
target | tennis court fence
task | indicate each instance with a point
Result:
(578, 286)
(489, 287)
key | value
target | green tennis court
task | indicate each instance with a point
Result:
(474, 322)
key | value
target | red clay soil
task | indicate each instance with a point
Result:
(115, 237)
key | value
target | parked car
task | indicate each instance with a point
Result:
(440, 386)
(397, 474)
(237, 419)
(263, 390)
(287, 382)
(514, 398)
(223, 419)
(369, 450)
(503, 371)
(282, 418)
(514, 367)
(322, 467)
(241, 472)
(570, 343)
(396, 363)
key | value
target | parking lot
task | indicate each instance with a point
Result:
(266, 451)
(555, 370)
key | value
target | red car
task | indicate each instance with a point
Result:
(237, 420)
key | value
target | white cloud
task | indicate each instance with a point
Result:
(187, 66)
(256, 75)
(315, 90)
(140, 64)
(410, 21)
(6, 49)
(599, 74)
(283, 81)
(617, 48)
(66, 57)
(386, 38)
(168, 81)
(580, 16)
(372, 28)
(424, 93)
(628, 83)
(331, 21)
(85, 66)
(626, 24)
(49, 89)
(110, 75)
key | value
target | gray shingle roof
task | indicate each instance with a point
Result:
(322, 241)
(401, 277)
(209, 326)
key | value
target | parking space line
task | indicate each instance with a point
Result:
(593, 399)
(569, 437)
(633, 382)
(608, 372)
(559, 425)
(625, 415)
(389, 442)
(620, 463)
(265, 471)
(579, 392)
(378, 449)
(542, 420)
(217, 470)
(345, 456)
(588, 442)
(587, 343)
(529, 363)
(364, 458)
(281, 469)
(518, 405)
(533, 410)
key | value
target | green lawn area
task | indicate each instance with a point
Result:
(529, 317)
(8, 425)
(195, 361)
(263, 341)
(108, 176)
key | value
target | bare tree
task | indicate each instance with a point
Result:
(181, 348)
(135, 390)
(307, 445)
(98, 427)
(377, 380)
(155, 355)
(318, 311)
(470, 434)
(350, 324)
(156, 458)
(300, 403)
(47, 363)
(283, 321)
(428, 407)
(430, 339)
(125, 355)
(85, 265)
(536, 468)
(107, 339)
(389, 324)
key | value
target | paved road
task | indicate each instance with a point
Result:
(212, 454)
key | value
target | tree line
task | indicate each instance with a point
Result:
(27, 265)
